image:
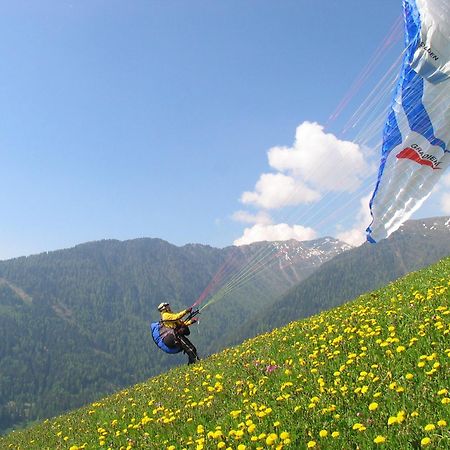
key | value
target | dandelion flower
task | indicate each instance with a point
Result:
(429, 427)
(373, 406)
(425, 441)
(311, 444)
(379, 440)
(392, 420)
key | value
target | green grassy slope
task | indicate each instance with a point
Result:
(373, 373)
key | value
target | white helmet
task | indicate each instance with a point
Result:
(162, 306)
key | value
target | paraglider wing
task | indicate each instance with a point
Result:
(416, 138)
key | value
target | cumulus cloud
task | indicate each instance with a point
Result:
(321, 159)
(357, 234)
(316, 162)
(244, 216)
(279, 190)
(278, 232)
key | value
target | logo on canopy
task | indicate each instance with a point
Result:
(415, 153)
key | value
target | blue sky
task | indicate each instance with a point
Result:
(155, 118)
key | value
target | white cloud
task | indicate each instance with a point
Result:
(244, 216)
(357, 234)
(321, 159)
(279, 190)
(279, 232)
(317, 162)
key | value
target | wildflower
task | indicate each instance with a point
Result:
(311, 444)
(323, 433)
(429, 427)
(285, 435)
(442, 423)
(271, 439)
(392, 420)
(425, 441)
(379, 440)
(373, 406)
(335, 434)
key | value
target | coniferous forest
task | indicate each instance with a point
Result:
(74, 324)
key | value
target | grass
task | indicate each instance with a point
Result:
(373, 373)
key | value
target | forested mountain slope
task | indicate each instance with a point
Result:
(373, 373)
(417, 244)
(74, 324)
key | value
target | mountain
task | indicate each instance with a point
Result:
(74, 324)
(417, 244)
(371, 374)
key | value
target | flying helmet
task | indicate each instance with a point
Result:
(162, 306)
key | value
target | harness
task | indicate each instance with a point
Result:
(159, 332)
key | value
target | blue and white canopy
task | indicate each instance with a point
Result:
(416, 138)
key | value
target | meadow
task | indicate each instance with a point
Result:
(373, 373)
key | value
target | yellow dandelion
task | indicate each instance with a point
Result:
(335, 434)
(311, 444)
(323, 433)
(379, 440)
(425, 441)
(271, 439)
(373, 406)
(392, 420)
(442, 423)
(430, 427)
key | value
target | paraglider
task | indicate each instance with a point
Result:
(416, 138)
(170, 333)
